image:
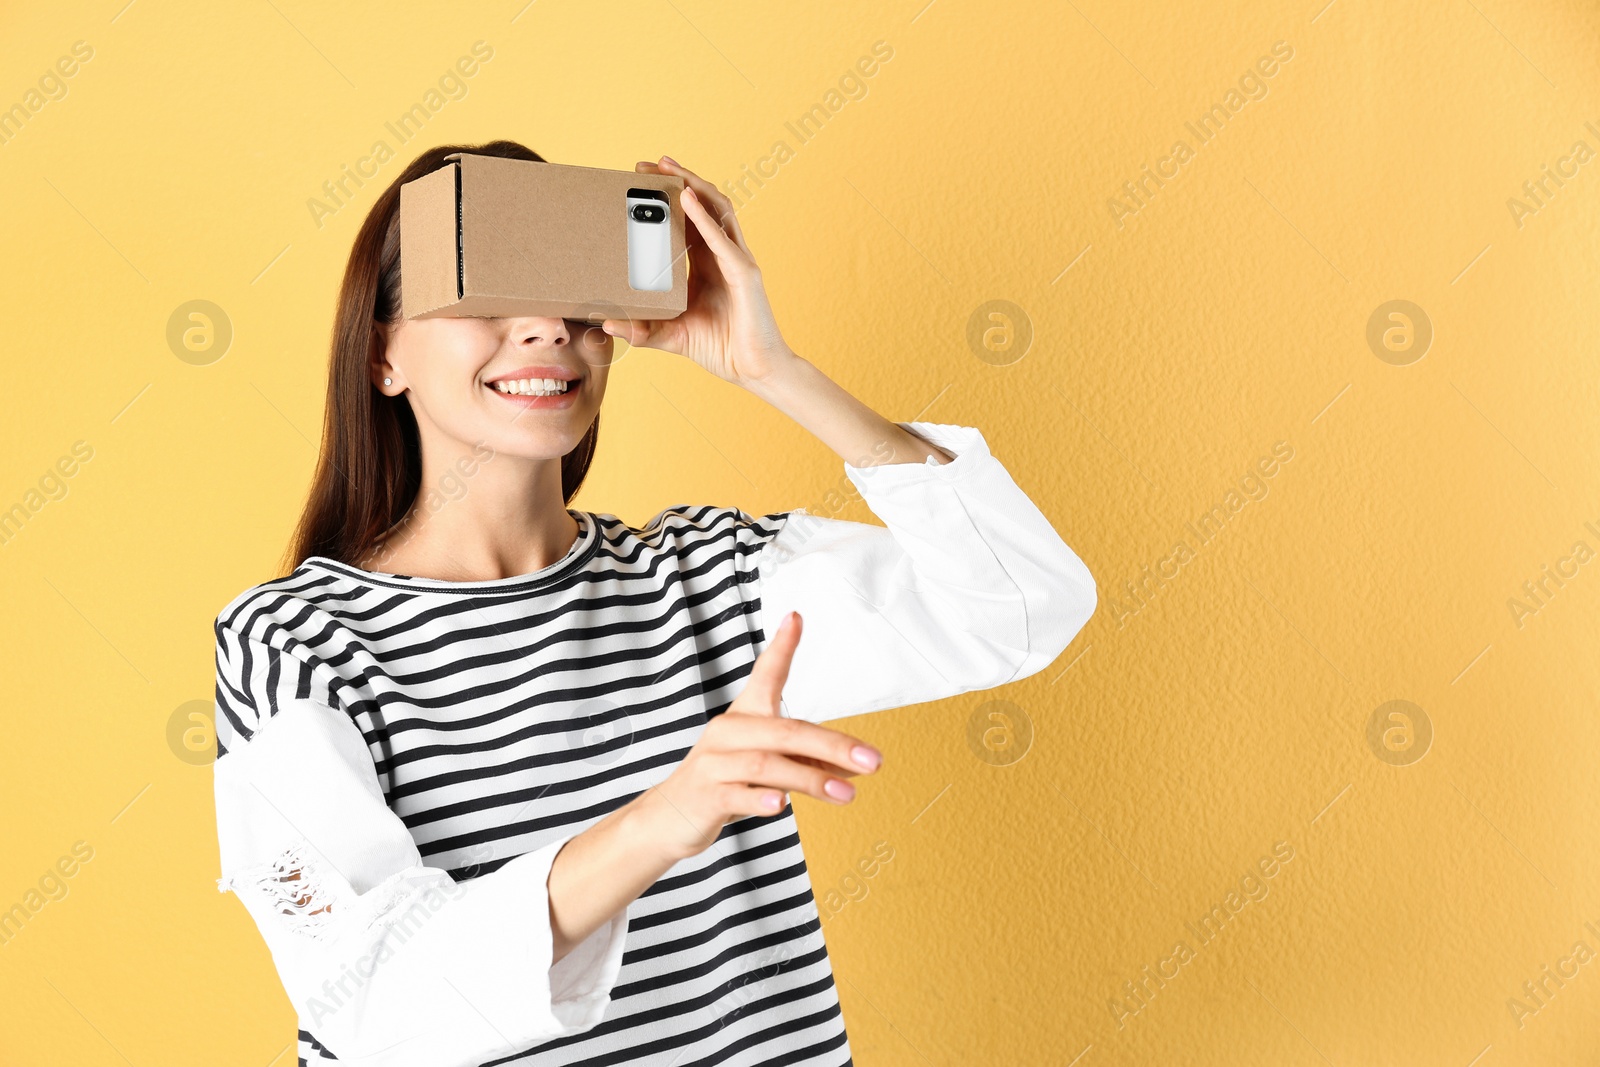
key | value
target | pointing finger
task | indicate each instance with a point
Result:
(764, 689)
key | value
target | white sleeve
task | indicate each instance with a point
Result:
(388, 962)
(967, 587)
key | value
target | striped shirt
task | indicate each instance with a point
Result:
(400, 759)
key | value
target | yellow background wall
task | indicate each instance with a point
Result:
(1041, 852)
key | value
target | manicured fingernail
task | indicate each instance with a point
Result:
(669, 159)
(772, 803)
(839, 789)
(689, 194)
(865, 758)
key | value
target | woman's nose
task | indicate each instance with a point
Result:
(547, 331)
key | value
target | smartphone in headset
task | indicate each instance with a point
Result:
(649, 241)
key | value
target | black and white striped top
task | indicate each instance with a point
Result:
(401, 758)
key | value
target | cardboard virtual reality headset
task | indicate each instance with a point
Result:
(495, 237)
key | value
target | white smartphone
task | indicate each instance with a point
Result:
(649, 241)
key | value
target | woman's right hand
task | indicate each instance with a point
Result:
(750, 756)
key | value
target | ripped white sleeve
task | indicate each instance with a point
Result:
(390, 962)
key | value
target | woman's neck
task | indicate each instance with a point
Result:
(481, 520)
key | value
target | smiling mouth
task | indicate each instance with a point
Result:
(535, 387)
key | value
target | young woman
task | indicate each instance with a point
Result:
(500, 780)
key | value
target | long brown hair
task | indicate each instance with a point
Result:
(370, 468)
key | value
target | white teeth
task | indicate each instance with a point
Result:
(532, 387)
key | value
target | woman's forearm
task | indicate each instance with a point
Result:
(604, 869)
(860, 436)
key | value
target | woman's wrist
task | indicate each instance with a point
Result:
(602, 870)
(797, 387)
(782, 369)
(656, 828)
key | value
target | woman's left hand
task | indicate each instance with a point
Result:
(728, 326)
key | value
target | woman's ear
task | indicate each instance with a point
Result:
(384, 377)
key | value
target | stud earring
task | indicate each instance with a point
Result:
(388, 381)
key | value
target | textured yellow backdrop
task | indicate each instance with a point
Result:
(1026, 882)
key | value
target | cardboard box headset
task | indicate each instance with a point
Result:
(495, 237)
